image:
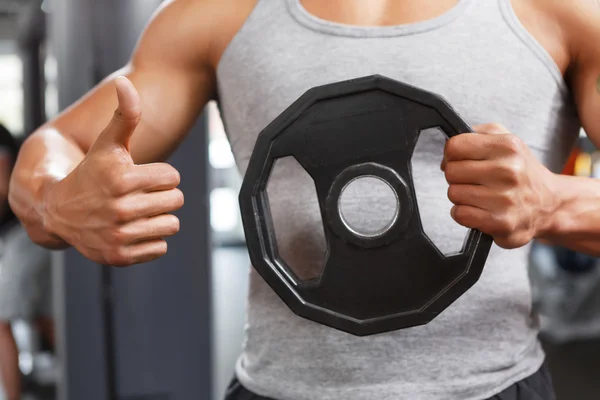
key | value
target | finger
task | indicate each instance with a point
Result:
(139, 253)
(485, 129)
(145, 205)
(125, 119)
(493, 224)
(152, 177)
(478, 196)
(491, 129)
(469, 172)
(498, 173)
(512, 241)
(468, 146)
(141, 230)
(469, 216)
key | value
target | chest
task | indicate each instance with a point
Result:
(484, 72)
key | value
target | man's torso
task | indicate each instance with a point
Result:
(493, 63)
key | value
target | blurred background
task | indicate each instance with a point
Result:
(173, 329)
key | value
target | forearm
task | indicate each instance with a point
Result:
(45, 158)
(575, 220)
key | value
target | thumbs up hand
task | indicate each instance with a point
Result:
(113, 211)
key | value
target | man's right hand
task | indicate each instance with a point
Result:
(113, 211)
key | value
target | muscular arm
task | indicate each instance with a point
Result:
(576, 220)
(171, 72)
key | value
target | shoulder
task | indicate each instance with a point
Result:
(576, 21)
(579, 20)
(230, 16)
(193, 31)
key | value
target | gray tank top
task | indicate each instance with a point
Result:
(481, 59)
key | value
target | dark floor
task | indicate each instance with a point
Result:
(39, 393)
(575, 369)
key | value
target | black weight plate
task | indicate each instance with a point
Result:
(374, 284)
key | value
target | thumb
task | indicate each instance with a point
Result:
(126, 118)
(485, 129)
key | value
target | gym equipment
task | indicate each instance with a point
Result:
(393, 279)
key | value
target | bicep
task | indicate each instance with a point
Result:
(586, 88)
(585, 73)
(170, 71)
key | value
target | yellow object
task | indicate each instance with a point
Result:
(583, 165)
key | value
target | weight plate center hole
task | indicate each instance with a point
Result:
(368, 206)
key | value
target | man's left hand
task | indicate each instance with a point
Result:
(498, 186)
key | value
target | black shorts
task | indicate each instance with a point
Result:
(536, 387)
